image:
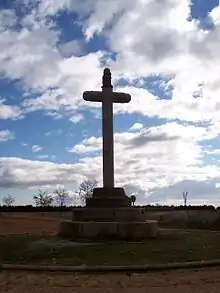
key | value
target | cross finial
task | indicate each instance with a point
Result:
(106, 79)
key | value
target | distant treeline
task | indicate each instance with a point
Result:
(30, 208)
(181, 207)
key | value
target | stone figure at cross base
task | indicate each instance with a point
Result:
(108, 195)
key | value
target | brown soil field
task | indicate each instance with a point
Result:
(32, 223)
(181, 281)
(199, 281)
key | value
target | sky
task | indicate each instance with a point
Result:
(164, 53)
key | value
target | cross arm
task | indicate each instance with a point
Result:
(121, 97)
(98, 96)
(93, 96)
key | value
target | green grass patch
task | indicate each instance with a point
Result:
(186, 246)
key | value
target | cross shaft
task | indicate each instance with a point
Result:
(107, 97)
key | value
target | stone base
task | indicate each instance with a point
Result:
(131, 214)
(109, 230)
(108, 197)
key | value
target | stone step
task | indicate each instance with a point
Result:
(109, 230)
(108, 214)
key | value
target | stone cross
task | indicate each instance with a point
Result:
(107, 97)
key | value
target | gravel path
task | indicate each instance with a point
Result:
(181, 281)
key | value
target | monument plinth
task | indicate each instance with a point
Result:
(108, 197)
(108, 213)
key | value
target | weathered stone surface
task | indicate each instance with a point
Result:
(109, 230)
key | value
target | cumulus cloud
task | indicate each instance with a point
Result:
(7, 19)
(188, 55)
(168, 45)
(43, 157)
(73, 47)
(24, 144)
(32, 56)
(143, 169)
(91, 144)
(198, 193)
(136, 126)
(145, 138)
(76, 118)
(15, 172)
(6, 135)
(9, 111)
(36, 148)
(168, 154)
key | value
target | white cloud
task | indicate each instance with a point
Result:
(43, 157)
(15, 172)
(166, 44)
(89, 145)
(136, 126)
(215, 15)
(157, 157)
(7, 19)
(34, 55)
(76, 118)
(54, 114)
(35, 58)
(6, 135)
(187, 53)
(24, 144)
(213, 152)
(36, 148)
(66, 98)
(9, 111)
(58, 131)
(30, 55)
(146, 162)
(73, 47)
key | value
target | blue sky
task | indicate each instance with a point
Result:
(52, 51)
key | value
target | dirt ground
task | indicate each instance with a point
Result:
(185, 281)
(37, 223)
(33, 223)
(196, 281)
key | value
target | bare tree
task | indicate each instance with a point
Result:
(8, 200)
(43, 198)
(61, 197)
(86, 189)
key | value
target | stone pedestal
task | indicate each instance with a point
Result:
(108, 198)
(129, 231)
(108, 215)
(86, 214)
